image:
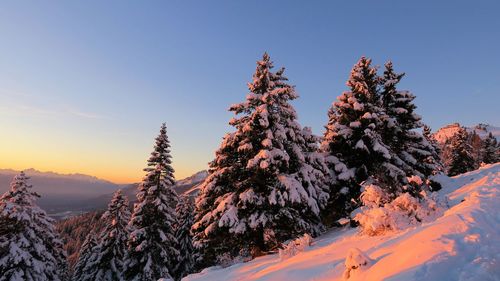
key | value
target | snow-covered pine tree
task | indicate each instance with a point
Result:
(477, 145)
(353, 143)
(30, 248)
(419, 157)
(106, 262)
(262, 189)
(427, 133)
(460, 157)
(185, 217)
(152, 244)
(82, 270)
(491, 150)
(429, 136)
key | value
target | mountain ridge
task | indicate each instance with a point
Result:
(481, 129)
(64, 195)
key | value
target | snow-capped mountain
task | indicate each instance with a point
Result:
(191, 183)
(64, 195)
(461, 244)
(188, 186)
(482, 130)
(39, 175)
(60, 192)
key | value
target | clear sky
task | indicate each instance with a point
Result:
(85, 85)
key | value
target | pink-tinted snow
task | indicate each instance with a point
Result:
(462, 244)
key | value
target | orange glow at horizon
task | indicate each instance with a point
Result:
(112, 164)
(114, 176)
(75, 150)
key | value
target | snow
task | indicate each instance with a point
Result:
(401, 213)
(355, 262)
(193, 179)
(379, 148)
(415, 179)
(462, 244)
(361, 145)
(296, 246)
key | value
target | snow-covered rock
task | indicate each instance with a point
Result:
(482, 130)
(355, 262)
(462, 244)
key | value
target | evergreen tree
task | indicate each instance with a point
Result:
(106, 263)
(477, 146)
(82, 267)
(490, 151)
(460, 157)
(151, 244)
(185, 217)
(418, 156)
(30, 248)
(427, 133)
(353, 141)
(262, 189)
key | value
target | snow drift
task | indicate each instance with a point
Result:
(462, 244)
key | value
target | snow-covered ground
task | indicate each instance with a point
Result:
(463, 244)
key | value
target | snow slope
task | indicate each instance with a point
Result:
(463, 244)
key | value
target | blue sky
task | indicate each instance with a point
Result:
(85, 85)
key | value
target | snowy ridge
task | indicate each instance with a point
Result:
(62, 194)
(462, 244)
(190, 186)
(193, 179)
(75, 176)
(482, 130)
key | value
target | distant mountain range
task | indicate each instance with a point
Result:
(482, 130)
(64, 195)
(188, 186)
(60, 192)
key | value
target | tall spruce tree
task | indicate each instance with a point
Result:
(30, 248)
(353, 141)
(460, 158)
(491, 150)
(108, 256)
(477, 148)
(427, 133)
(187, 254)
(152, 244)
(262, 189)
(418, 155)
(82, 268)
(429, 136)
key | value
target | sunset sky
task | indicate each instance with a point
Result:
(85, 85)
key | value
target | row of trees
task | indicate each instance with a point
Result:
(150, 243)
(465, 151)
(273, 180)
(74, 230)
